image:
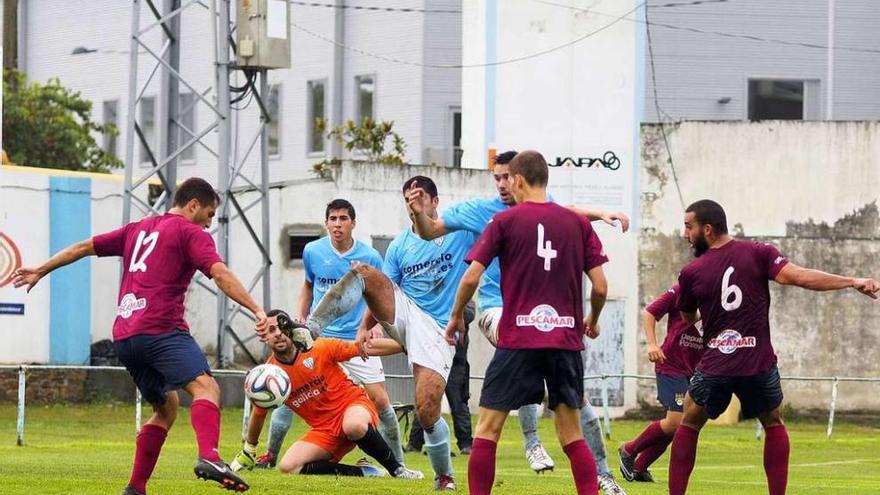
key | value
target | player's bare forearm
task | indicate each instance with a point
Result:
(598, 292)
(426, 227)
(304, 303)
(383, 347)
(68, 255)
(606, 216)
(255, 427)
(467, 287)
(232, 287)
(650, 324)
(809, 278)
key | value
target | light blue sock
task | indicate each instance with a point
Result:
(593, 435)
(282, 417)
(528, 423)
(389, 428)
(437, 445)
(341, 298)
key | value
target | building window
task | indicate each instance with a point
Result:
(315, 113)
(111, 117)
(456, 139)
(298, 239)
(147, 123)
(186, 106)
(273, 128)
(776, 99)
(366, 89)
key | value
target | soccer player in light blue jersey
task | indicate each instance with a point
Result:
(325, 261)
(473, 216)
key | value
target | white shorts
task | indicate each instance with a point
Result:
(424, 339)
(365, 372)
(488, 324)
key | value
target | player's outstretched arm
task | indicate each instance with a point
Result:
(598, 294)
(818, 280)
(245, 458)
(31, 275)
(655, 353)
(466, 288)
(611, 218)
(232, 287)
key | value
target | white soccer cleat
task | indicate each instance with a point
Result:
(609, 485)
(539, 459)
(405, 473)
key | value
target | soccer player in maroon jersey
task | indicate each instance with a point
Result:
(160, 255)
(728, 284)
(544, 250)
(674, 362)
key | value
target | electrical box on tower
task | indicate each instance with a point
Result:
(262, 31)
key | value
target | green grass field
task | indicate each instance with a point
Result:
(88, 450)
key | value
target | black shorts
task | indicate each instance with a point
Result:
(758, 394)
(159, 363)
(516, 377)
(671, 390)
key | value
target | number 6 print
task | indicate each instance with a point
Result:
(728, 289)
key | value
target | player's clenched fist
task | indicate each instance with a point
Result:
(867, 286)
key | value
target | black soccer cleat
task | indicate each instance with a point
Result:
(219, 471)
(130, 490)
(627, 463)
(643, 476)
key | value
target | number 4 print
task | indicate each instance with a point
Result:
(545, 250)
(148, 243)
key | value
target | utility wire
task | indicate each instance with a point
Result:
(376, 9)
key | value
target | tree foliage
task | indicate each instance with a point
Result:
(367, 140)
(48, 125)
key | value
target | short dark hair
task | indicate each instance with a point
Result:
(708, 212)
(504, 158)
(424, 182)
(339, 204)
(532, 166)
(198, 189)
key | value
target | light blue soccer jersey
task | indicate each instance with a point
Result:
(473, 216)
(324, 266)
(429, 271)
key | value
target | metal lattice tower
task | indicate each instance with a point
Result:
(174, 138)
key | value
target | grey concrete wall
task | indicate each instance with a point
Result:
(809, 188)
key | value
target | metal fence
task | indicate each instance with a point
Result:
(606, 413)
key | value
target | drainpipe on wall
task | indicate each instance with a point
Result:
(338, 75)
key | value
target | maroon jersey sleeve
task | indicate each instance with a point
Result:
(200, 249)
(664, 304)
(772, 259)
(686, 300)
(488, 245)
(594, 253)
(110, 243)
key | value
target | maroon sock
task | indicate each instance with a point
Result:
(651, 435)
(146, 453)
(481, 466)
(682, 458)
(583, 467)
(205, 418)
(650, 454)
(776, 448)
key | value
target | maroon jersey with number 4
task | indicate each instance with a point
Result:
(730, 287)
(544, 250)
(683, 345)
(160, 255)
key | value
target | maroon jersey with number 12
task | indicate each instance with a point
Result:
(160, 255)
(730, 287)
(544, 250)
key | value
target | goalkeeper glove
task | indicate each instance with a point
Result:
(244, 459)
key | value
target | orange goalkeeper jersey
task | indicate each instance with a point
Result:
(320, 390)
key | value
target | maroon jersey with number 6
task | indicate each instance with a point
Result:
(730, 287)
(544, 250)
(160, 255)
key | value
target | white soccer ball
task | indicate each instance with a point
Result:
(267, 386)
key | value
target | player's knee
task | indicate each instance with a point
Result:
(428, 414)
(380, 399)
(289, 467)
(354, 430)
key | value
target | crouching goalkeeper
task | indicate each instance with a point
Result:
(339, 413)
